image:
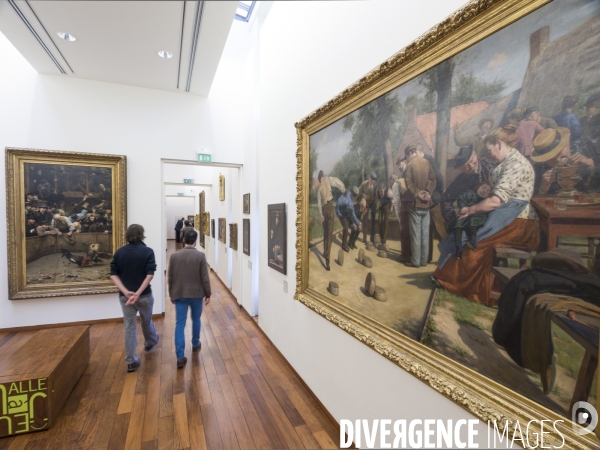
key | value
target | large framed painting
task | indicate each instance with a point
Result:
(233, 236)
(223, 230)
(66, 215)
(246, 236)
(246, 203)
(202, 206)
(277, 238)
(449, 212)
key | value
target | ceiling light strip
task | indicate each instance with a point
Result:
(37, 36)
(50, 37)
(195, 36)
(181, 44)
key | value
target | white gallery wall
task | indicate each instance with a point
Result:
(56, 112)
(178, 207)
(309, 52)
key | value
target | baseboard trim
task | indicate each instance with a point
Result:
(287, 363)
(68, 324)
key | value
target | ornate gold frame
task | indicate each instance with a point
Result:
(481, 396)
(15, 207)
(206, 224)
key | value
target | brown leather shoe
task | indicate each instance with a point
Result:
(197, 349)
(181, 362)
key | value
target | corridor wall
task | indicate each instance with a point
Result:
(309, 52)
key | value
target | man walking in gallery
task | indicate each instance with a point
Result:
(178, 227)
(420, 181)
(189, 288)
(327, 210)
(131, 270)
(187, 227)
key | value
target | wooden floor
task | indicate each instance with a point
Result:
(238, 392)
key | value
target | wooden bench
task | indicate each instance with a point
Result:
(503, 275)
(502, 255)
(37, 376)
(588, 337)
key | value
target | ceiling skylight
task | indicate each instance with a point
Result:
(244, 10)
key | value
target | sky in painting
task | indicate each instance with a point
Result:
(503, 56)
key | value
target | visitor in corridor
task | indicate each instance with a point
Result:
(132, 270)
(185, 229)
(189, 288)
(178, 227)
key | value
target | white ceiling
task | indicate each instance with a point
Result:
(118, 41)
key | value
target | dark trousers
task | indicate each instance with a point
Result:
(346, 226)
(328, 218)
(373, 212)
(177, 236)
(384, 216)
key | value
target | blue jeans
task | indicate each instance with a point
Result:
(181, 309)
(144, 306)
(419, 237)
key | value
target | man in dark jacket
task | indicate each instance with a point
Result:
(474, 172)
(131, 270)
(189, 288)
(178, 227)
(187, 227)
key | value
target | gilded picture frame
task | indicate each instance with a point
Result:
(485, 398)
(206, 224)
(80, 183)
(222, 233)
(233, 236)
(222, 187)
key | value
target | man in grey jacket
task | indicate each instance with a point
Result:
(189, 287)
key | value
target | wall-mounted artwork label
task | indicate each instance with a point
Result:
(23, 406)
(180, 194)
(204, 158)
(188, 181)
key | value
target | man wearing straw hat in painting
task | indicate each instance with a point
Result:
(551, 150)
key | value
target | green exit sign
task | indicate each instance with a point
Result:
(188, 181)
(203, 157)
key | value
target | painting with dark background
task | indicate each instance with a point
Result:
(68, 223)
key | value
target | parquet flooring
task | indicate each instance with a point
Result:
(237, 392)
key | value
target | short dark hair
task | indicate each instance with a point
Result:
(190, 237)
(186, 223)
(135, 234)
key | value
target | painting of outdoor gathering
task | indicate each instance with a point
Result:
(462, 209)
(68, 223)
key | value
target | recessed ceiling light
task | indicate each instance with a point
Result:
(66, 36)
(165, 54)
